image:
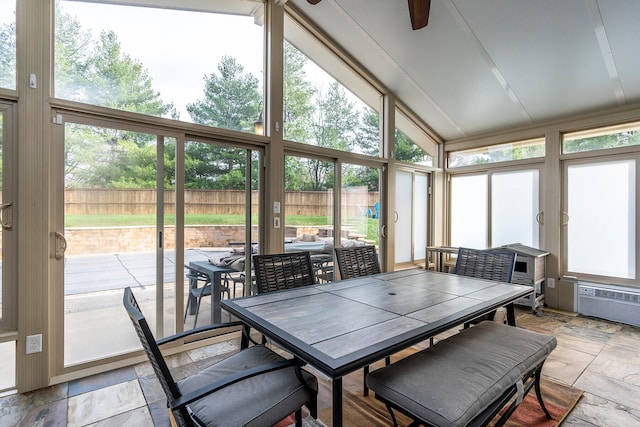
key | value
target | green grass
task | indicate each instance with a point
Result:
(147, 220)
(369, 228)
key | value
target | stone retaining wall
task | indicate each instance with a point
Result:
(143, 239)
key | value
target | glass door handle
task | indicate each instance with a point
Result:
(540, 218)
(60, 245)
(7, 224)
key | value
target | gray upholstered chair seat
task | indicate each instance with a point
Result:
(452, 382)
(231, 406)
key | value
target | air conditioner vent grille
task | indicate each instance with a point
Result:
(609, 302)
(619, 296)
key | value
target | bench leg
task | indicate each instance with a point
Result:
(539, 394)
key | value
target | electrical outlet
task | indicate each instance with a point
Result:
(34, 344)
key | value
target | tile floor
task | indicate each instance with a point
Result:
(597, 356)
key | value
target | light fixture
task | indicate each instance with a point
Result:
(258, 125)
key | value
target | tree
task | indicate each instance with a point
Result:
(231, 100)
(100, 73)
(298, 96)
(8, 55)
(336, 120)
(369, 132)
(406, 150)
(600, 142)
(120, 82)
(73, 47)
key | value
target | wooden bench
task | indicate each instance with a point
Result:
(465, 379)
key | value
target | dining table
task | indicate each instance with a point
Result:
(340, 327)
(214, 272)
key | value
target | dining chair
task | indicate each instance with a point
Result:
(276, 272)
(357, 261)
(199, 286)
(253, 387)
(486, 264)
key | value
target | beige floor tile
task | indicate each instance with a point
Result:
(104, 403)
(135, 418)
(566, 365)
(609, 388)
(597, 411)
(620, 363)
(627, 336)
(579, 344)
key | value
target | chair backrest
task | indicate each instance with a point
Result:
(274, 272)
(153, 352)
(357, 261)
(486, 264)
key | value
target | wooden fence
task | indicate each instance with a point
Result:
(218, 202)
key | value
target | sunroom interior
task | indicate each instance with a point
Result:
(138, 136)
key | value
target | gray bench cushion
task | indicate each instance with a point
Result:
(452, 382)
(257, 401)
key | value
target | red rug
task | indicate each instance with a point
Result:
(558, 398)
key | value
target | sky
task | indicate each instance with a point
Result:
(178, 48)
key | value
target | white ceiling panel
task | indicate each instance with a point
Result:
(622, 26)
(489, 65)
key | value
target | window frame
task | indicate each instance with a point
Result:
(489, 170)
(9, 289)
(596, 157)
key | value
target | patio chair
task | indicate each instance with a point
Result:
(197, 292)
(254, 386)
(231, 280)
(275, 272)
(357, 261)
(485, 264)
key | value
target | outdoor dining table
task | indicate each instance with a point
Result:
(214, 272)
(343, 326)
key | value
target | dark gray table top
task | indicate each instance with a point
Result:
(342, 326)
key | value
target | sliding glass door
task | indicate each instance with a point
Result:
(411, 217)
(119, 231)
(496, 208)
(8, 249)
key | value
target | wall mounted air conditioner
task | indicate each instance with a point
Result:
(616, 303)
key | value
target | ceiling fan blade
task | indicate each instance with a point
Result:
(313, 1)
(418, 12)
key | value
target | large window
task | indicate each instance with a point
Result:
(601, 217)
(360, 199)
(325, 102)
(8, 44)
(496, 208)
(529, 149)
(598, 139)
(309, 211)
(411, 217)
(118, 224)
(412, 144)
(8, 250)
(193, 65)
(469, 211)
(515, 198)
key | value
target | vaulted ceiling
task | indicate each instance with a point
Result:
(487, 65)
